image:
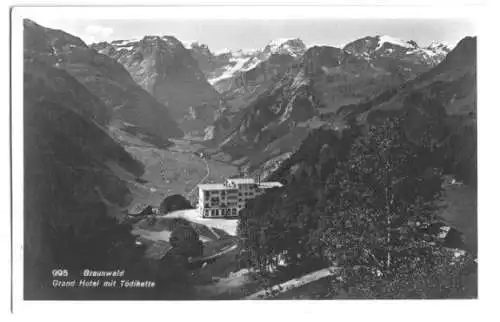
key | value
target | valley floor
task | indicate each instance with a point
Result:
(174, 170)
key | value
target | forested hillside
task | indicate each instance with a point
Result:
(367, 197)
(69, 176)
(366, 202)
(67, 179)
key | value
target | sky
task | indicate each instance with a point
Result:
(234, 34)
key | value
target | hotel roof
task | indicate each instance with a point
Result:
(221, 186)
(213, 186)
(241, 180)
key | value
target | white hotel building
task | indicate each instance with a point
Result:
(228, 198)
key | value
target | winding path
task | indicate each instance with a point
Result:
(215, 256)
(293, 283)
(163, 173)
(163, 170)
(202, 179)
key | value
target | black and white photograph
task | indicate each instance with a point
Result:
(172, 155)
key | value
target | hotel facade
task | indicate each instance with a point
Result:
(221, 200)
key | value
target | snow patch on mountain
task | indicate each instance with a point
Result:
(188, 44)
(121, 43)
(439, 44)
(222, 51)
(275, 45)
(278, 42)
(286, 46)
(300, 80)
(125, 48)
(172, 41)
(439, 47)
(239, 64)
(243, 60)
(393, 40)
(434, 52)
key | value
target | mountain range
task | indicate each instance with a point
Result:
(271, 111)
(318, 83)
(440, 105)
(205, 91)
(255, 106)
(224, 68)
(264, 101)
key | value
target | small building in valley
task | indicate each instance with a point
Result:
(228, 198)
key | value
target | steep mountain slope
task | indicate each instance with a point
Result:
(212, 64)
(62, 132)
(450, 85)
(164, 68)
(266, 64)
(324, 80)
(437, 113)
(126, 104)
(69, 171)
(440, 103)
(242, 75)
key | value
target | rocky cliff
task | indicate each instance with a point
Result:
(166, 70)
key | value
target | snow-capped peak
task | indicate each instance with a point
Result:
(172, 41)
(438, 44)
(124, 42)
(279, 41)
(222, 51)
(438, 48)
(322, 44)
(395, 41)
(189, 44)
(291, 46)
